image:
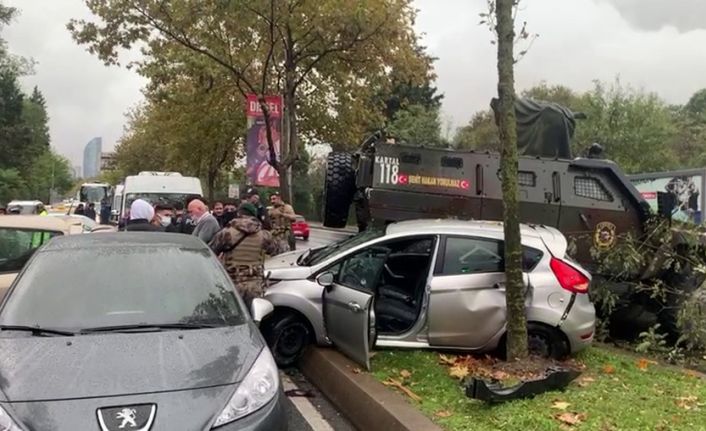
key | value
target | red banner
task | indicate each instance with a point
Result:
(260, 171)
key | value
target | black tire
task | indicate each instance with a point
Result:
(287, 334)
(306, 238)
(339, 188)
(542, 340)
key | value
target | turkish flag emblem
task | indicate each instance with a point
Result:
(465, 184)
(403, 179)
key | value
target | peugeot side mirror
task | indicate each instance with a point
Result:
(325, 279)
(260, 308)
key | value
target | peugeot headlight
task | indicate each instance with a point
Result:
(6, 422)
(257, 389)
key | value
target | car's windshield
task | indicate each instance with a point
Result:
(18, 245)
(324, 253)
(87, 288)
(156, 198)
(93, 193)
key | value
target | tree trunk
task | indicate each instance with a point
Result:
(211, 184)
(289, 135)
(515, 289)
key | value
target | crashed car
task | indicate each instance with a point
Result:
(425, 284)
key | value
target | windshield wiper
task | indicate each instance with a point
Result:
(36, 330)
(147, 327)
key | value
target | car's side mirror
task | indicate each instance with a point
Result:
(260, 308)
(325, 279)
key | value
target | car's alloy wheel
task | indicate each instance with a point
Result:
(287, 335)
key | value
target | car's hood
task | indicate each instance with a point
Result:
(104, 365)
(284, 267)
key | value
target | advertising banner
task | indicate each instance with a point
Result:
(259, 170)
(686, 189)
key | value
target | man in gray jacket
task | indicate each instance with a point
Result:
(206, 224)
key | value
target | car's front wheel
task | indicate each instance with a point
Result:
(287, 334)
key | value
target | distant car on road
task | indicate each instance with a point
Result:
(126, 331)
(300, 228)
(426, 284)
(21, 235)
(24, 207)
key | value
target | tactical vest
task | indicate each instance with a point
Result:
(248, 253)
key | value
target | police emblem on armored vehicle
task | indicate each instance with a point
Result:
(604, 235)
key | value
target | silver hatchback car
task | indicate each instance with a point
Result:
(425, 284)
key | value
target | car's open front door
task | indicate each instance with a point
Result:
(348, 303)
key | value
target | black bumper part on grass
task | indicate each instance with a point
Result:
(494, 392)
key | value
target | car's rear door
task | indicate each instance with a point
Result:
(348, 303)
(467, 300)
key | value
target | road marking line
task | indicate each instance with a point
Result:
(306, 408)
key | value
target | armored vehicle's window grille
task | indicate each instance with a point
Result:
(527, 179)
(591, 188)
(452, 162)
(411, 158)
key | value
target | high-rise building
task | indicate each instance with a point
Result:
(92, 158)
(77, 172)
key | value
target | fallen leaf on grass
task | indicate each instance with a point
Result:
(447, 360)
(608, 369)
(643, 363)
(397, 384)
(443, 414)
(569, 418)
(688, 403)
(405, 374)
(585, 381)
(560, 405)
(500, 375)
(458, 371)
(692, 373)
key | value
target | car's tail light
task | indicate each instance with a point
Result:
(569, 277)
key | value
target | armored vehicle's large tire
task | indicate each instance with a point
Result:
(339, 188)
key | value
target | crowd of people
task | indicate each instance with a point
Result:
(242, 234)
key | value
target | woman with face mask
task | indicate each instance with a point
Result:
(142, 217)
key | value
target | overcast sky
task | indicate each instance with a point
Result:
(648, 43)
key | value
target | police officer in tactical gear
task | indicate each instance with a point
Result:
(243, 245)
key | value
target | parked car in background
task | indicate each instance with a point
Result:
(21, 235)
(149, 334)
(426, 284)
(300, 228)
(24, 207)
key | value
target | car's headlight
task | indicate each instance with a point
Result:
(6, 422)
(257, 389)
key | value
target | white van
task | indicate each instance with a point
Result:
(166, 188)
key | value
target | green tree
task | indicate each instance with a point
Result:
(50, 175)
(12, 185)
(697, 104)
(334, 55)
(480, 134)
(184, 127)
(418, 125)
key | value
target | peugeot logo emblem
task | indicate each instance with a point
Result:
(138, 417)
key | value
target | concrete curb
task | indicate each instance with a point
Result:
(365, 402)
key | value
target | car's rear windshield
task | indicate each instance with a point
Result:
(18, 245)
(86, 288)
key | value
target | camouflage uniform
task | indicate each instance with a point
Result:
(281, 225)
(245, 262)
